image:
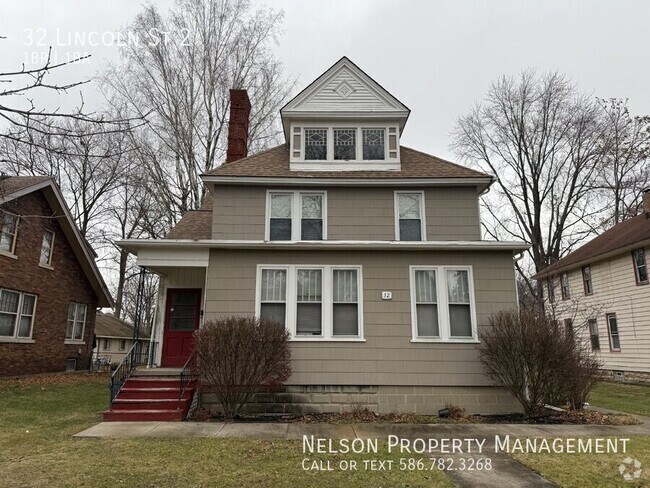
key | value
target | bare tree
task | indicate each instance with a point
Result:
(182, 82)
(543, 140)
(624, 171)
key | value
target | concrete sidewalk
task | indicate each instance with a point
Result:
(272, 430)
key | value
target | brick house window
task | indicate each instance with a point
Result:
(564, 282)
(614, 339)
(640, 266)
(8, 228)
(46, 248)
(593, 334)
(586, 280)
(107, 345)
(76, 321)
(409, 213)
(16, 314)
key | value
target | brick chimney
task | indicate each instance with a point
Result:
(240, 110)
(646, 200)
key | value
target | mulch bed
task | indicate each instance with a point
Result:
(582, 417)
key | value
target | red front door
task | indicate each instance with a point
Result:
(181, 320)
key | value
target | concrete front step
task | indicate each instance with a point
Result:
(169, 372)
(143, 415)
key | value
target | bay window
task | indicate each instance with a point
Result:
(296, 215)
(314, 302)
(442, 304)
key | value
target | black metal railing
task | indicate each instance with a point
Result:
(138, 355)
(188, 374)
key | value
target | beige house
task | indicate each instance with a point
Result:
(368, 251)
(113, 339)
(601, 293)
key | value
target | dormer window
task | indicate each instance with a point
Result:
(315, 144)
(373, 144)
(345, 144)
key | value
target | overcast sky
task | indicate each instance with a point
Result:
(437, 57)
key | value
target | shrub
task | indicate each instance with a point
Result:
(530, 355)
(237, 355)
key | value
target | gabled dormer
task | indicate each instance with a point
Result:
(344, 121)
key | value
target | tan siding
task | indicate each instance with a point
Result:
(387, 357)
(615, 291)
(353, 213)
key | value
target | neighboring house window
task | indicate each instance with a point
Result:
(550, 289)
(296, 216)
(373, 144)
(593, 334)
(442, 303)
(564, 281)
(8, 227)
(107, 344)
(345, 144)
(409, 209)
(568, 326)
(586, 280)
(318, 302)
(315, 144)
(122, 345)
(640, 267)
(614, 339)
(16, 314)
(46, 248)
(76, 321)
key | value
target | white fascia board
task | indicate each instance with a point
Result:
(134, 244)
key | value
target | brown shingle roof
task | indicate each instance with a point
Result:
(107, 325)
(275, 163)
(195, 224)
(12, 184)
(627, 233)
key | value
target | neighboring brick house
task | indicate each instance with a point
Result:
(601, 293)
(369, 252)
(50, 286)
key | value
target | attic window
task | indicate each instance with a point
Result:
(373, 144)
(345, 144)
(315, 144)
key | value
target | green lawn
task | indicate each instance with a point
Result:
(591, 470)
(622, 397)
(38, 419)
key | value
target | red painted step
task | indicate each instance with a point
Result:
(150, 404)
(143, 415)
(139, 382)
(145, 393)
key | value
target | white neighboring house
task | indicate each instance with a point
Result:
(113, 338)
(601, 293)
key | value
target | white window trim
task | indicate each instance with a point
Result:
(119, 345)
(47, 265)
(72, 340)
(326, 300)
(107, 342)
(443, 305)
(296, 213)
(11, 253)
(15, 337)
(423, 218)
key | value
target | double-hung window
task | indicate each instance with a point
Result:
(76, 322)
(8, 227)
(568, 326)
(16, 314)
(640, 266)
(593, 334)
(612, 327)
(46, 248)
(409, 216)
(442, 303)
(107, 344)
(550, 289)
(564, 283)
(296, 216)
(586, 280)
(122, 346)
(314, 302)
